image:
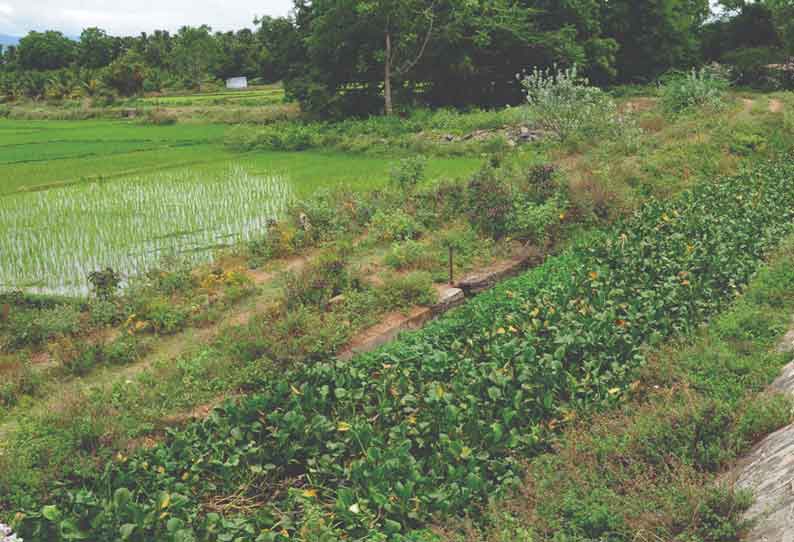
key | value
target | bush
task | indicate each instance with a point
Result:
(160, 117)
(410, 255)
(408, 172)
(282, 136)
(320, 281)
(490, 202)
(749, 67)
(532, 221)
(396, 225)
(34, 327)
(566, 104)
(407, 291)
(706, 87)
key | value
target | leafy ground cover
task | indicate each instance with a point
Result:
(654, 468)
(435, 423)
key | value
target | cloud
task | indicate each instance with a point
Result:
(17, 17)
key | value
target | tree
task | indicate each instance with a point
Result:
(95, 49)
(654, 35)
(281, 47)
(48, 50)
(126, 74)
(194, 54)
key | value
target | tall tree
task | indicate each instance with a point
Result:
(194, 54)
(654, 35)
(95, 49)
(48, 50)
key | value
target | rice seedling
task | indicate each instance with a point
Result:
(53, 239)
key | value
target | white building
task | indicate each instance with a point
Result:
(237, 83)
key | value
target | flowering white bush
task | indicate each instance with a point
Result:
(698, 88)
(566, 103)
(6, 535)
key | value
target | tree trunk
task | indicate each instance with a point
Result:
(387, 76)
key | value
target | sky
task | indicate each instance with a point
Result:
(17, 17)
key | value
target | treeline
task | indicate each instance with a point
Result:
(364, 56)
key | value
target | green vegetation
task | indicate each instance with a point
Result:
(436, 422)
(130, 224)
(694, 408)
(192, 390)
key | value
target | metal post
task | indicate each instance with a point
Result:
(451, 268)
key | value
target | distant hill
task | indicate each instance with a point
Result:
(8, 40)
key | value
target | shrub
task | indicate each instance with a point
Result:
(396, 225)
(105, 283)
(319, 282)
(34, 327)
(406, 291)
(698, 88)
(160, 117)
(408, 172)
(18, 378)
(749, 67)
(490, 202)
(104, 313)
(75, 357)
(163, 316)
(531, 221)
(410, 255)
(566, 104)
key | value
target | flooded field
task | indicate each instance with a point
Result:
(53, 239)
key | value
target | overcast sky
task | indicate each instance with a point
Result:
(17, 17)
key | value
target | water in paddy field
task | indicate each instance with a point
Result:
(52, 240)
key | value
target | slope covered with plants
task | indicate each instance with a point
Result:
(434, 424)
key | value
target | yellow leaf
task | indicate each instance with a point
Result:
(614, 391)
(295, 390)
(343, 427)
(310, 493)
(500, 331)
(166, 501)
(161, 470)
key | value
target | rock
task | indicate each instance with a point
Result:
(483, 280)
(449, 137)
(449, 299)
(511, 143)
(768, 471)
(524, 132)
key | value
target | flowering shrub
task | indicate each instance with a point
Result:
(566, 103)
(698, 88)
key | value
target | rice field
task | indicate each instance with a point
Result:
(53, 239)
(79, 196)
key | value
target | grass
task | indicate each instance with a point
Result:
(38, 154)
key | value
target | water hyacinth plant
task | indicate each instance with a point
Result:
(54, 239)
